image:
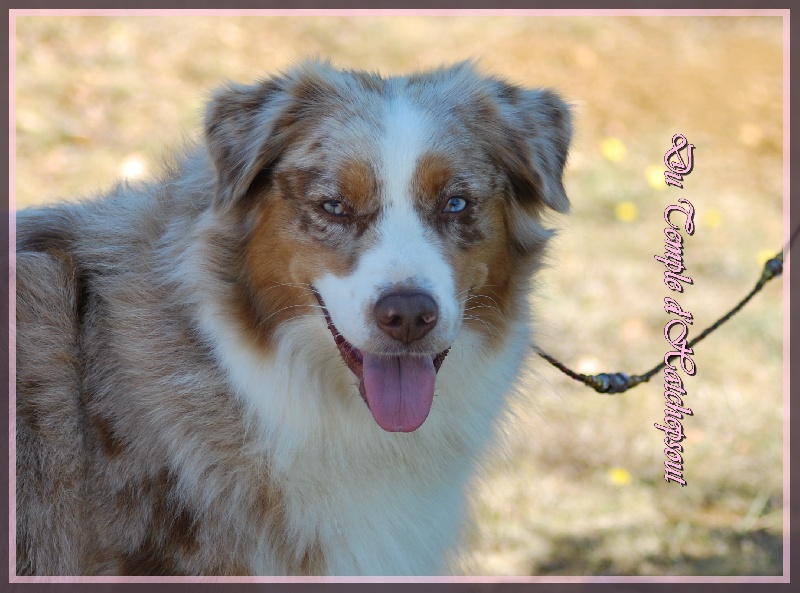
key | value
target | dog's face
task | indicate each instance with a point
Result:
(400, 208)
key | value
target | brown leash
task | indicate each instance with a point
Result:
(620, 382)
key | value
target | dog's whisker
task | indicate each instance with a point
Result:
(494, 305)
(493, 330)
(474, 288)
(282, 309)
(491, 308)
(276, 285)
(502, 299)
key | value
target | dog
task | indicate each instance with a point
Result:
(286, 355)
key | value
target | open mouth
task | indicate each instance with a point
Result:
(397, 388)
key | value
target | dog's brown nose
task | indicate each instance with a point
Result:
(406, 317)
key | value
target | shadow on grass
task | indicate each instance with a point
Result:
(730, 552)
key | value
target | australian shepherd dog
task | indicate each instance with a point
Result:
(285, 355)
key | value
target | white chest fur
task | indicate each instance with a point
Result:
(376, 503)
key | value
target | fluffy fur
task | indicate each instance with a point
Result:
(182, 406)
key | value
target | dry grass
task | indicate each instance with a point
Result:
(579, 489)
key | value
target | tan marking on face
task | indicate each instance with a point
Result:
(281, 262)
(434, 172)
(358, 185)
(484, 275)
(478, 247)
(510, 269)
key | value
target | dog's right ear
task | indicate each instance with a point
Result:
(247, 127)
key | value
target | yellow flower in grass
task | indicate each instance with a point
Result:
(613, 149)
(655, 177)
(712, 218)
(764, 255)
(619, 476)
(626, 211)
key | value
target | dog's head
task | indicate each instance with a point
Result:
(401, 208)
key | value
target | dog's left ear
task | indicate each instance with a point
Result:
(530, 140)
(537, 130)
(246, 129)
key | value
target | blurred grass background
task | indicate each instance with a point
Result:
(578, 486)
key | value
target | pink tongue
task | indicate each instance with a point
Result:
(399, 390)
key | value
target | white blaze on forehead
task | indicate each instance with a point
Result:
(405, 242)
(407, 250)
(406, 137)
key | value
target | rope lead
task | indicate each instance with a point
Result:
(621, 382)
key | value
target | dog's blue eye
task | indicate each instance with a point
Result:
(334, 207)
(455, 204)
